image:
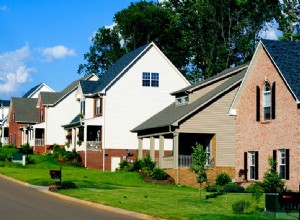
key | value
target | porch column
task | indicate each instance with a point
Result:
(73, 141)
(140, 148)
(161, 150)
(152, 148)
(175, 150)
(84, 141)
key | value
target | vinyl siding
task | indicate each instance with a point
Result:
(214, 119)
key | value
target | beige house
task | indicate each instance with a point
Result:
(200, 114)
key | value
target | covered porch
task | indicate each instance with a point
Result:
(180, 154)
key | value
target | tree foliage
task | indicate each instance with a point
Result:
(201, 38)
(271, 180)
(289, 20)
(199, 159)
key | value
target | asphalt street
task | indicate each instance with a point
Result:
(21, 202)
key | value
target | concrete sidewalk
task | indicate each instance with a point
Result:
(45, 189)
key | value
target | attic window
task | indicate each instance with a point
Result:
(182, 100)
(150, 79)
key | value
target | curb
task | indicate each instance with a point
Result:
(83, 202)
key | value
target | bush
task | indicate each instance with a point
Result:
(124, 166)
(239, 207)
(30, 160)
(271, 180)
(25, 149)
(211, 188)
(9, 146)
(137, 165)
(159, 174)
(233, 187)
(223, 179)
(68, 185)
(214, 195)
(147, 163)
(253, 187)
(75, 164)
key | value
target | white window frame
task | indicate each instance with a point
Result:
(82, 107)
(182, 100)
(208, 155)
(98, 106)
(267, 101)
(150, 79)
(282, 163)
(251, 165)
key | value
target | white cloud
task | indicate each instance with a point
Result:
(57, 52)
(270, 31)
(14, 70)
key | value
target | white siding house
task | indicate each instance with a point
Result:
(134, 88)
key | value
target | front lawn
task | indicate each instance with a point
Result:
(129, 191)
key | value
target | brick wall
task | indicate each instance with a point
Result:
(266, 136)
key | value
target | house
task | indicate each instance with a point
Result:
(34, 91)
(198, 114)
(267, 109)
(4, 106)
(137, 86)
(54, 110)
(21, 116)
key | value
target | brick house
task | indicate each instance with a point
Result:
(267, 110)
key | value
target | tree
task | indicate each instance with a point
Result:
(199, 159)
(289, 20)
(271, 180)
(104, 52)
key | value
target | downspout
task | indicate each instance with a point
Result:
(103, 132)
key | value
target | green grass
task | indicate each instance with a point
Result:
(129, 191)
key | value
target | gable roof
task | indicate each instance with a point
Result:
(172, 115)
(51, 98)
(25, 110)
(286, 57)
(225, 73)
(34, 89)
(93, 87)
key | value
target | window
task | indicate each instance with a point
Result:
(150, 79)
(207, 152)
(98, 106)
(182, 100)
(13, 118)
(267, 101)
(82, 107)
(42, 119)
(282, 163)
(253, 164)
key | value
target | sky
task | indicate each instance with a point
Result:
(43, 41)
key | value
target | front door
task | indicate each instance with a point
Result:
(115, 163)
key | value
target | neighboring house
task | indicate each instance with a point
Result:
(267, 110)
(4, 108)
(134, 88)
(34, 92)
(198, 114)
(22, 115)
(55, 109)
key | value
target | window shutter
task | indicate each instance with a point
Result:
(95, 106)
(275, 157)
(287, 164)
(245, 165)
(101, 106)
(273, 102)
(257, 103)
(256, 165)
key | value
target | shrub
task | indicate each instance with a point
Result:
(271, 180)
(136, 166)
(25, 149)
(75, 164)
(253, 187)
(30, 160)
(159, 174)
(124, 166)
(146, 162)
(233, 187)
(211, 188)
(9, 146)
(239, 207)
(214, 195)
(68, 185)
(223, 179)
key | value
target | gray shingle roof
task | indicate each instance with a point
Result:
(91, 87)
(286, 55)
(212, 79)
(30, 91)
(173, 113)
(25, 110)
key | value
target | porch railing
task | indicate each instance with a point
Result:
(183, 161)
(94, 145)
(39, 142)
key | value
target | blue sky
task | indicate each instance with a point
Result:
(44, 40)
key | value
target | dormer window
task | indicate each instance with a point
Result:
(182, 100)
